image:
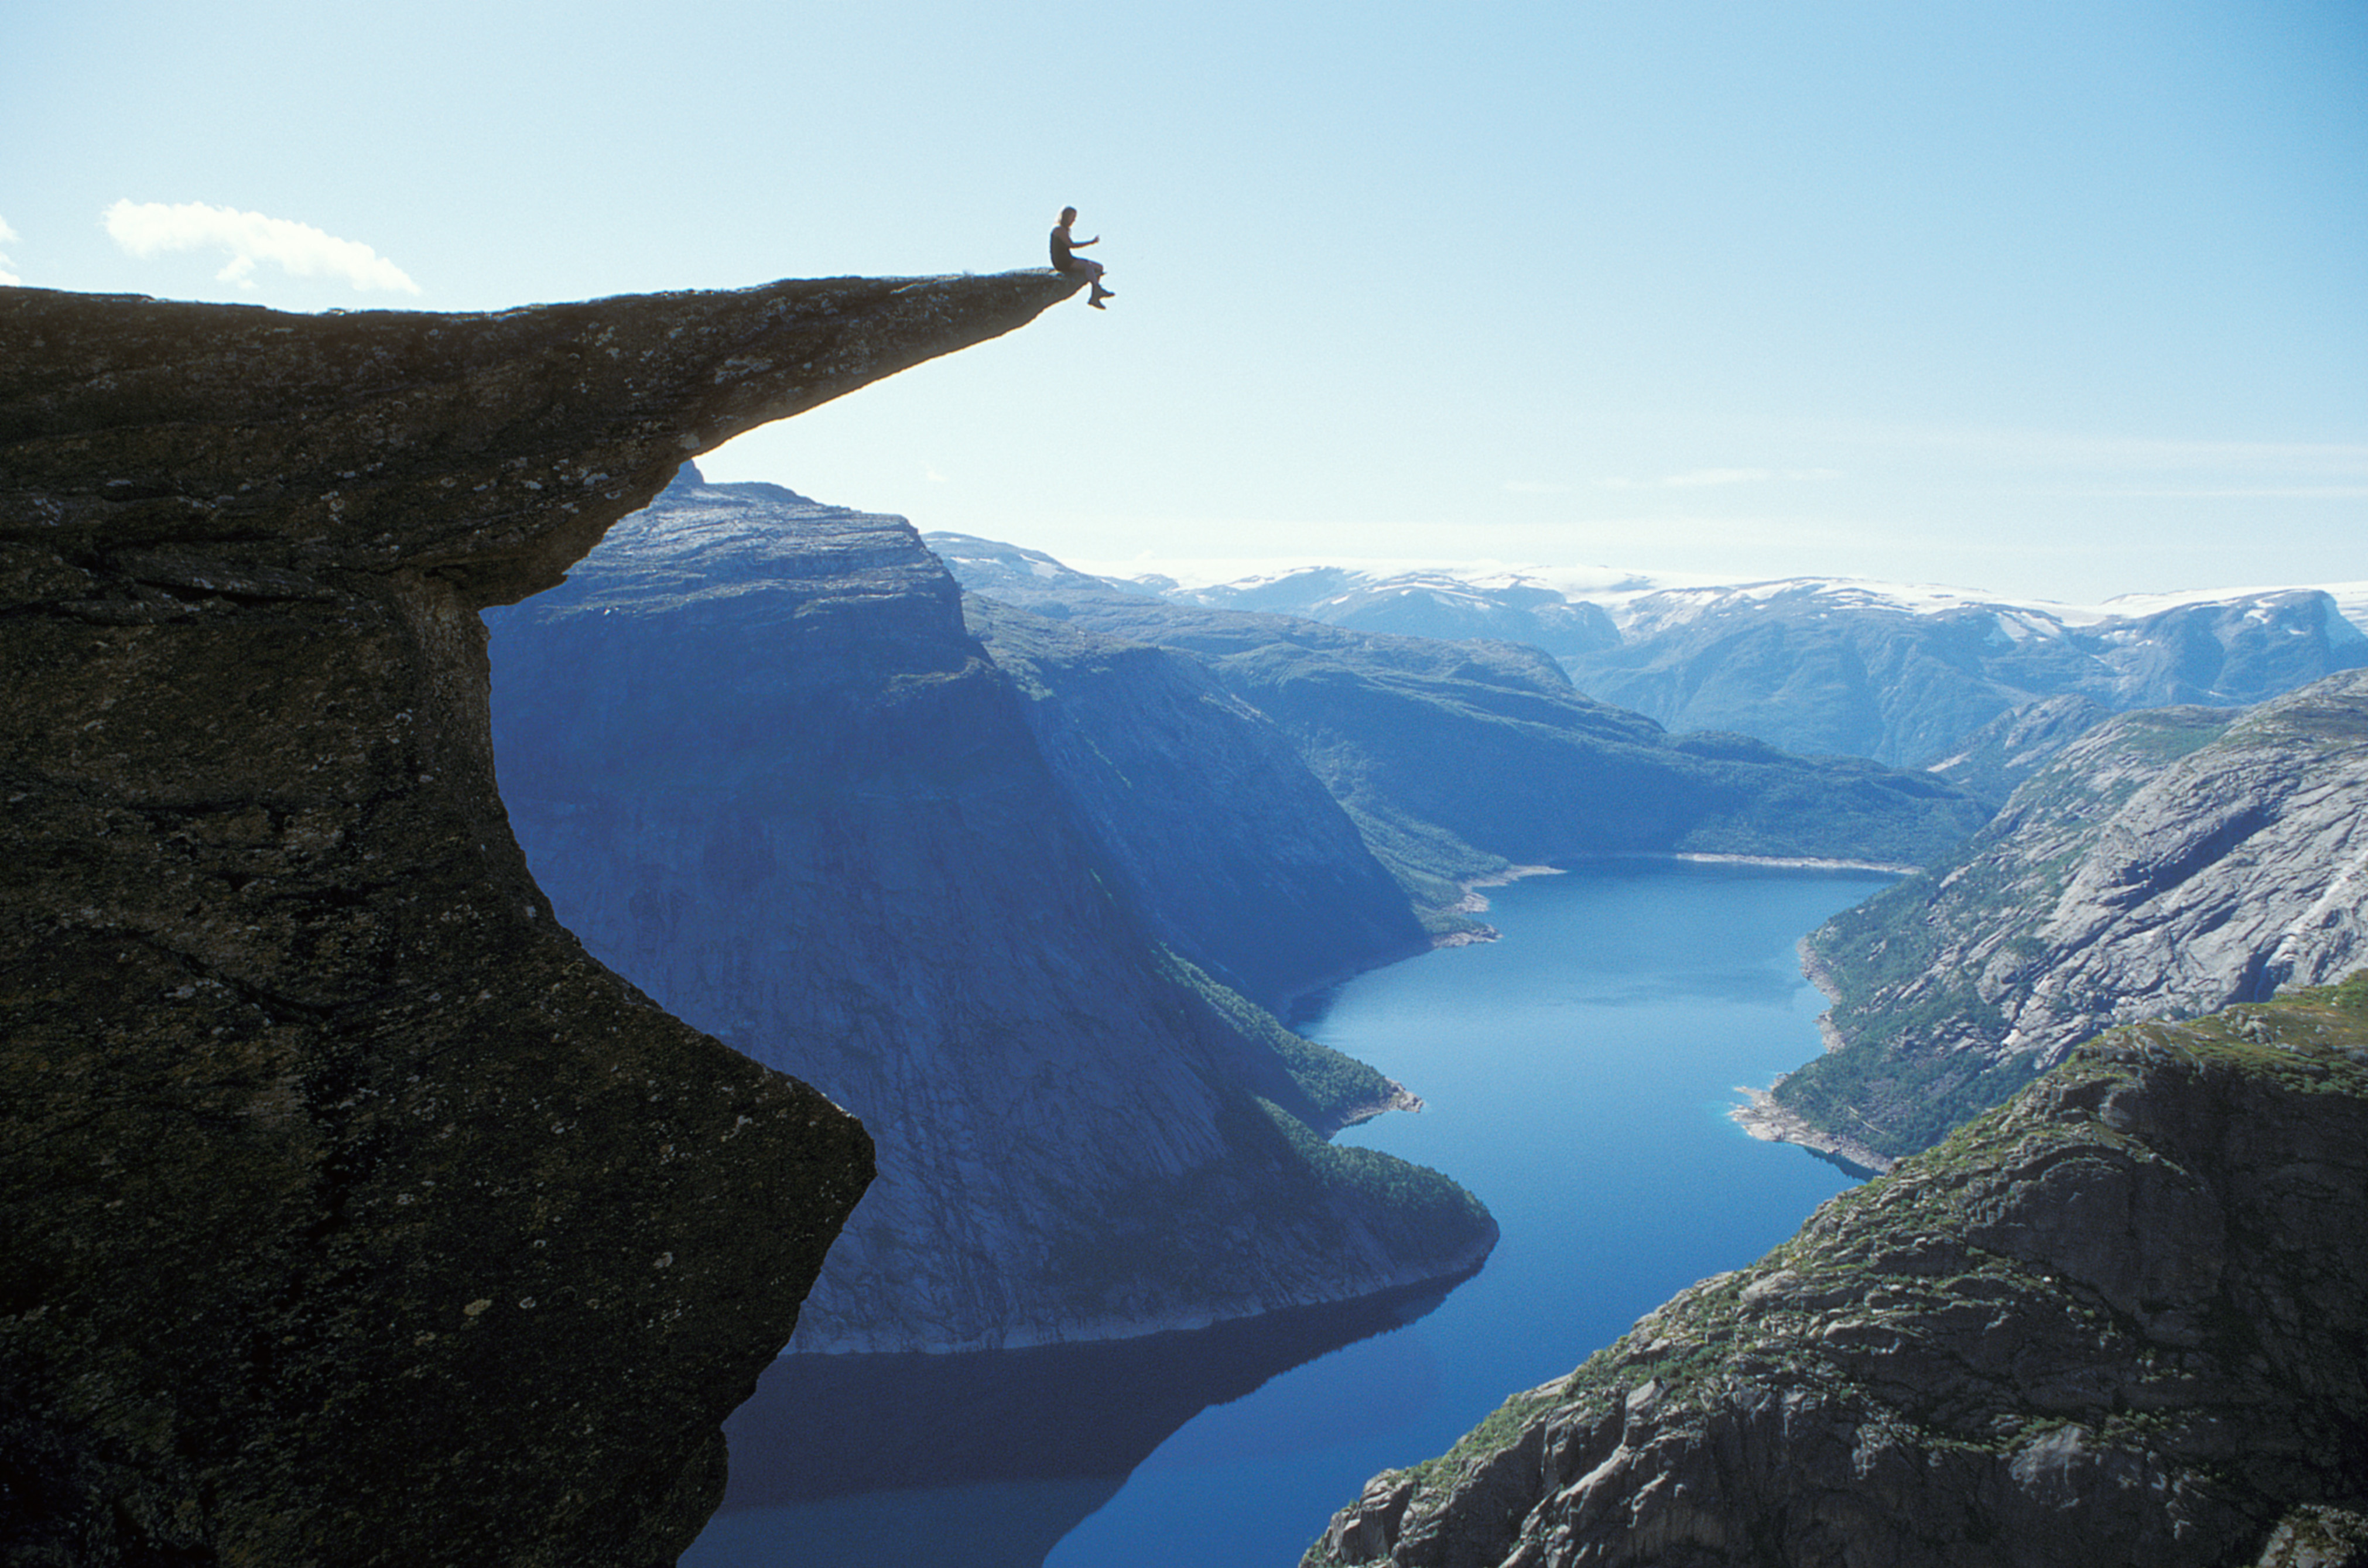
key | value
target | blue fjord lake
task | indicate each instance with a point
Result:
(1578, 1075)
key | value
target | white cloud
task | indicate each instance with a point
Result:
(2230, 492)
(1703, 477)
(143, 229)
(8, 236)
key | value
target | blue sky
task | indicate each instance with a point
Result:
(2056, 300)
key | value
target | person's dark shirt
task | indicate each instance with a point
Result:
(1063, 261)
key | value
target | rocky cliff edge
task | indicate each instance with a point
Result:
(2119, 1319)
(353, 1214)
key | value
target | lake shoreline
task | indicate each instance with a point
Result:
(1568, 1070)
(1777, 862)
(1761, 1117)
(1765, 1119)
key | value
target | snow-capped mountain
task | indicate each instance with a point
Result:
(1904, 672)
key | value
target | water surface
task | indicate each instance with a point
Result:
(1578, 1075)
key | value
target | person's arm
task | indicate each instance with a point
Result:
(1080, 245)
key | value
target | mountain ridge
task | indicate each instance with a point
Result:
(2166, 862)
(1461, 760)
(1902, 673)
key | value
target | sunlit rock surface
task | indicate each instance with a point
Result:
(353, 1213)
(2164, 864)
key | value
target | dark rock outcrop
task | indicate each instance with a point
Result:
(353, 1213)
(2164, 864)
(2122, 1320)
(764, 767)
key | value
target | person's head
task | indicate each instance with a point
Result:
(1068, 215)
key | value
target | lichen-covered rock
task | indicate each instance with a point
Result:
(2121, 1320)
(353, 1214)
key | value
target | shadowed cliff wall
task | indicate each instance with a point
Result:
(353, 1213)
(764, 767)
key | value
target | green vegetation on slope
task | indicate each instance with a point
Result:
(1337, 1088)
(1155, 1242)
(1413, 1195)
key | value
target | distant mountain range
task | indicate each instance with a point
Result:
(1459, 759)
(1902, 673)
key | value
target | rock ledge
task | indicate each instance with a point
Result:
(354, 1214)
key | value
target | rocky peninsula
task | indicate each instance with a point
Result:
(354, 1214)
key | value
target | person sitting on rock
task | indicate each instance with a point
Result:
(1063, 260)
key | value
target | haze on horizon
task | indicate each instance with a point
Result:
(2051, 301)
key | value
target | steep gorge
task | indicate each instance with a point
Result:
(1459, 760)
(763, 766)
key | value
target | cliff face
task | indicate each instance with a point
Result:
(354, 1214)
(2164, 864)
(1243, 861)
(764, 767)
(2119, 1320)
